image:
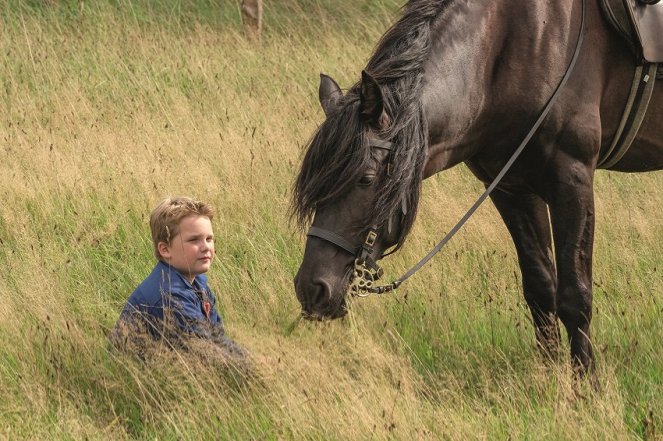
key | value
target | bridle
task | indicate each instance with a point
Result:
(366, 270)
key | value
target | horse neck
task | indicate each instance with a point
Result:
(493, 64)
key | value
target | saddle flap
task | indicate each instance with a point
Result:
(648, 23)
(640, 24)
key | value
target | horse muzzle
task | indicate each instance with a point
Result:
(319, 298)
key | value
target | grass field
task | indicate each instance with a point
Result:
(108, 106)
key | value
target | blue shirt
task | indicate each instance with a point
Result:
(167, 299)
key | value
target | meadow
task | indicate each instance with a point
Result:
(108, 106)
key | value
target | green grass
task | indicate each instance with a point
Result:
(107, 107)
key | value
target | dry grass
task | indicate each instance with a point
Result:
(106, 109)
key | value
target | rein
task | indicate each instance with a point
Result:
(367, 271)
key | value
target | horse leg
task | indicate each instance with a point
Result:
(572, 210)
(526, 218)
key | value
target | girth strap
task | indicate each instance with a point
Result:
(634, 113)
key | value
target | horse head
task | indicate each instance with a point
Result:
(346, 186)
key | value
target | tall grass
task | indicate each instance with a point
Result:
(109, 106)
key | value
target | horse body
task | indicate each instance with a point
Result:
(466, 86)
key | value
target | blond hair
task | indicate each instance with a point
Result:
(166, 217)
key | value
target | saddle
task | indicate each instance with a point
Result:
(640, 23)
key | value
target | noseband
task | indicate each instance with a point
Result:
(366, 269)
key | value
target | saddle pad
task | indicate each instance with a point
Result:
(648, 23)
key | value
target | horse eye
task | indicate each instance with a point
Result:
(366, 180)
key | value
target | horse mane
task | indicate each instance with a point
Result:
(339, 150)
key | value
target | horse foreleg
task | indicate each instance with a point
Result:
(572, 210)
(526, 217)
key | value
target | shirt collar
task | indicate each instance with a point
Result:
(200, 279)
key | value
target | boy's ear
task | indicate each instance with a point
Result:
(164, 250)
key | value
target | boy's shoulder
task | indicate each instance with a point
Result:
(163, 278)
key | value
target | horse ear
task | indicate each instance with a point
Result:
(329, 92)
(370, 97)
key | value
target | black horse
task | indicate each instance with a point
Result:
(455, 81)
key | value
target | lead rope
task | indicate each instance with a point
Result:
(396, 283)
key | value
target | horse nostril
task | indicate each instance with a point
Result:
(315, 296)
(320, 294)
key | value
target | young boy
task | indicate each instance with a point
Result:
(174, 302)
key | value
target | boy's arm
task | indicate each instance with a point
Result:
(188, 315)
(191, 320)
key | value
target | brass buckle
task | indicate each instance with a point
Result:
(370, 238)
(363, 279)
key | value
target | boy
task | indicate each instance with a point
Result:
(174, 301)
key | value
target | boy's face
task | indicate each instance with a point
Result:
(192, 249)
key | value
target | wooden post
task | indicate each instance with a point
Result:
(252, 18)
